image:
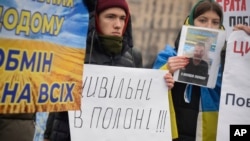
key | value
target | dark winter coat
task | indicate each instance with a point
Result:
(57, 128)
(17, 127)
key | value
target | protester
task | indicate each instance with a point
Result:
(17, 127)
(196, 107)
(109, 42)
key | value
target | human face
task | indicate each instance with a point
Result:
(112, 21)
(208, 19)
(199, 52)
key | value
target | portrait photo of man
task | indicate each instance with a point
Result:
(196, 71)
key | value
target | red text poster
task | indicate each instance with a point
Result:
(235, 12)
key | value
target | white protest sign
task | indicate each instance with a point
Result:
(235, 12)
(124, 104)
(234, 102)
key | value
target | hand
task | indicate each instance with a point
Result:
(242, 27)
(177, 62)
(169, 80)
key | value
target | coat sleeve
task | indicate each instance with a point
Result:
(137, 56)
(49, 126)
(163, 56)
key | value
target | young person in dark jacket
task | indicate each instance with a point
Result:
(109, 42)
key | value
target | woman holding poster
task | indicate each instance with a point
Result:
(196, 107)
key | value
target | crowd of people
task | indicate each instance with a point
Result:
(110, 43)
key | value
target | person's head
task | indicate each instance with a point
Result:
(199, 50)
(206, 13)
(112, 17)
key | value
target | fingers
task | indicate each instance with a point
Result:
(246, 29)
(169, 80)
(177, 62)
(238, 27)
(174, 63)
(242, 27)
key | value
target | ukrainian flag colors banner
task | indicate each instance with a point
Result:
(42, 51)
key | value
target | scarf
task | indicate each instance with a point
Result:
(111, 44)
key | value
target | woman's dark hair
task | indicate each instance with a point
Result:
(208, 5)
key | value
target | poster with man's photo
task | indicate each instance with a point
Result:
(202, 48)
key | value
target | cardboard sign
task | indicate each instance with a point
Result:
(234, 102)
(124, 104)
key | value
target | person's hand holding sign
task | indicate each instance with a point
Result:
(242, 27)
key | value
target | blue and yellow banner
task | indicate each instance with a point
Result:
(42, 51)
